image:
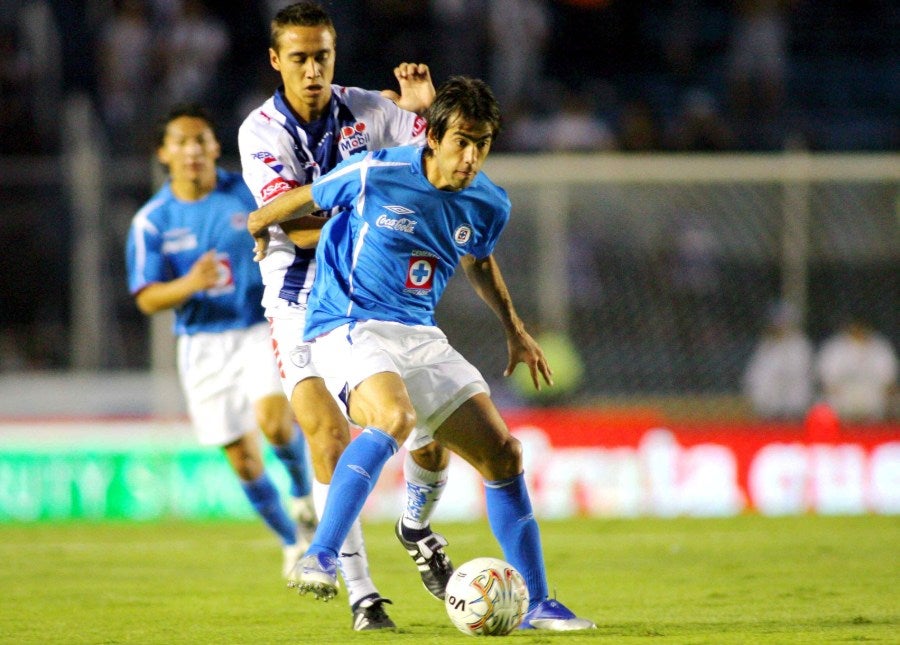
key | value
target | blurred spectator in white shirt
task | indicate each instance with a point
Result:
(519, 33)
(126, 61)
(194, 48)
(857, 368)
(778, 380)
(575, 127)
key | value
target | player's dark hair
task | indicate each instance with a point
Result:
(300, 14)
(469, 98)
(194, 110)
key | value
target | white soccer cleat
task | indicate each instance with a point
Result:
(552, 615)
(316, 573)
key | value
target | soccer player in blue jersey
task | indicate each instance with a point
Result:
(306, 128)
(411, 215)
(187, 251)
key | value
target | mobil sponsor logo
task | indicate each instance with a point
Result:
(354, 138)
(420, 272)
(276, 187)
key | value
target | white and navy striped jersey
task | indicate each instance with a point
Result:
(390, 252)
(279, 153)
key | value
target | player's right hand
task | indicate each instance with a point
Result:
(205, 271)
(260, 245)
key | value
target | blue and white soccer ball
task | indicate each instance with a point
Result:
(486, 597)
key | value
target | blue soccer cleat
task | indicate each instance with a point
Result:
(552, 615)
(317, 574)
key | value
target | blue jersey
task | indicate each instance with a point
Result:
(168, 236)
(389, 254)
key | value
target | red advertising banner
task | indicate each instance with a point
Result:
(581, 462)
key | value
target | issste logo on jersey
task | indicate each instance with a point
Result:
(353, 138)
(420, 272)
(275, 187)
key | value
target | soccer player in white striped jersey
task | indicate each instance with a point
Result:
(306, 128)
(411, 215)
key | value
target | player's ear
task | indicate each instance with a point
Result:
(273, 60)
(431, 140)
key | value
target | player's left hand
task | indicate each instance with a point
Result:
(525, 349)
(416, 87)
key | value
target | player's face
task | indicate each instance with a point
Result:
(458, 156)
(305, 59)
(189, 150)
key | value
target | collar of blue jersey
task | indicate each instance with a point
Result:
(325, 153)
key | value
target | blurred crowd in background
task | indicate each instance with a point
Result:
(687, 75)
(571, 75)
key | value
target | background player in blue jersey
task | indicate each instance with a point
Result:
(411, 216)
(187, 251)
(308, 126)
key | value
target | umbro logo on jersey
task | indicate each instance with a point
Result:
(399, 210)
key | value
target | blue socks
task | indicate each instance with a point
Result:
(513, 524)
(354, 477)
(267, 502)
(293, 456)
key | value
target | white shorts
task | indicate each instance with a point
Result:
(298, 360)
(222, 375)
(437, 377)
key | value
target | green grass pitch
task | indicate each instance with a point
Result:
(747, 579)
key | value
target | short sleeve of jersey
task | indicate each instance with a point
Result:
(266, 156)
(386, 124)
(497, 203)
(343, 185)
(144, 260)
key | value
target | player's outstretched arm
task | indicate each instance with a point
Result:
(159, 296)
(295, 206)
(488, 282)
(416, 87)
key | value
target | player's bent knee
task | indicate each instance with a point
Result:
(433, 457)
(397, 422)
(506, 462)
